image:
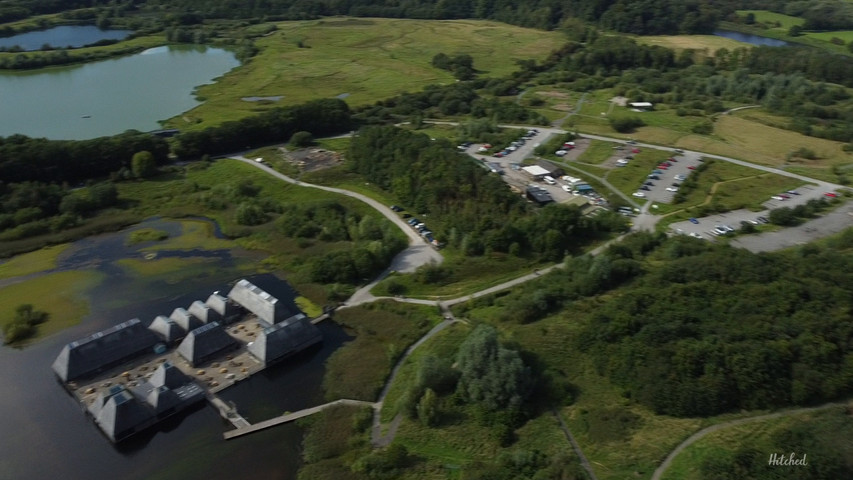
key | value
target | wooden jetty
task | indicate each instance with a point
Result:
(288, 417)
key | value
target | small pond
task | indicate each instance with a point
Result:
(757, 40)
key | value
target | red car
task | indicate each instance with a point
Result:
(663, 167)
(636, 150)
(672, 159)
(831, 194)
(691, 167)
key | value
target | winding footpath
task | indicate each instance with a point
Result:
(420, 253)
(713, 428)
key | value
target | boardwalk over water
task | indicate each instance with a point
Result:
(288, 417)
(228, 412)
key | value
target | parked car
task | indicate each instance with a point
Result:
(560, 153)
(793, 192)
(776, 197)
(678, 150)
(498, 155)
(622, 161)
(567, 188)
(694, 221)
(785, 196)
(645, 187)
(650, 183)
(396, 208)
(763, 219)
(671, 189)
(639, 194)
(692, 167)
(658, 172)
(681, 176)
(663, 167)
(672, 159)
(830, 194)
(635, 150)
(654, 177)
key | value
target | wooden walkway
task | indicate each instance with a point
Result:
(288, 417)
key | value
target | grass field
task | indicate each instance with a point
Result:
(773, 20)
(467, 275)
(37, 261)
(706, 43)
(61, 295)
(834, 426)
(383, 330)
(597, 152)
(361, 60)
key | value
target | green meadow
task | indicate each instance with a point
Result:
(362, 60)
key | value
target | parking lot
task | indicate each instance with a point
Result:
(517, 178)
(734, 218)
(657, 192)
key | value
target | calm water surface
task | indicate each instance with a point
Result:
(63, 36)
(752, 39)
(108, 97)
(46, 435)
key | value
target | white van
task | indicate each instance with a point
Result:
(549, 180)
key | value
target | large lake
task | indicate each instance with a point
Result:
(63, 36)
(108, 97)
(45, 435)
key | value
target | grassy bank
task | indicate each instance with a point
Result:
(754, 442)
(32, 262)
(60, 294)
(362, 60)
(383, 330)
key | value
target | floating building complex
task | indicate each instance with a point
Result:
(180, 345)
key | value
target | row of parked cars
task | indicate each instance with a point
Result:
(784, 196)
(513, 146)
(422, 229)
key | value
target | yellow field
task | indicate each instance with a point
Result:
(363, 60)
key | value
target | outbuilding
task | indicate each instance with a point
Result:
(535, 171)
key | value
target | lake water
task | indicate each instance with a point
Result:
(752, 39)
(108, 97)
(46, 435)
(63, 36)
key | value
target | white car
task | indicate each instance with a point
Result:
(671, 189)
(482, 149)
(567, 188)
(639, 194)
(695, 235)
(560, 153)
(622, 161)
(680, 177)
(777, 197)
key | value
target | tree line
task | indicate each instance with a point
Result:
(631, 16)
(320, 117)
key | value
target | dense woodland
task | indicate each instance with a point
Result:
(462, 203)
(697, 329)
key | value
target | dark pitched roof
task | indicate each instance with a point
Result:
(204, 312)
(285, 339)
(268, 308)
(204, 343)
(122, 414)
(185, 319)
(167, 329)
(103, 350)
